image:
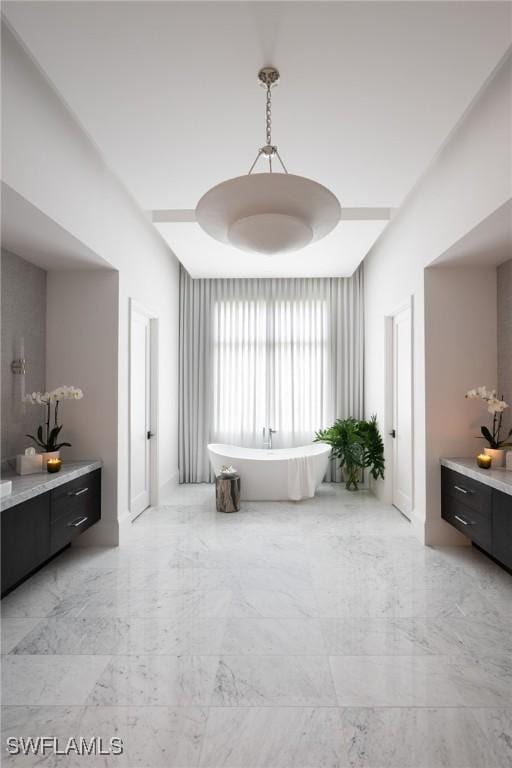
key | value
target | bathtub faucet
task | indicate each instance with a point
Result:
(267, 441)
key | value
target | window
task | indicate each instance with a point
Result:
(270, 367)
(285, 353)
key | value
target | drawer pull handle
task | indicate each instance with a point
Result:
(461, 520)
(77, 523)
(462, 490)
(78, 493)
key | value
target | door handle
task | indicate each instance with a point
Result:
(77, 523)
(150, 434)
(392, 433)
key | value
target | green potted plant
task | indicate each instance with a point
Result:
(358, 445)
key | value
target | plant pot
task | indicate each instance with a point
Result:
(351, 477)
(49, 455)
(497, 455)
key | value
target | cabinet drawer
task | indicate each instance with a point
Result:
(77, 496)
(467, 520)
(71, 524)
(469, 492)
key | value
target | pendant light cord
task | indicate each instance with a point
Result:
(269, 150)
(268, 114)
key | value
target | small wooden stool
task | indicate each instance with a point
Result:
(227, 493)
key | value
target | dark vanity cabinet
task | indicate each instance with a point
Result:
(480, 512)
(502, 528)
(35, 530)
(25, 539)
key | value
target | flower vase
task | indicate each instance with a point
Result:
(497, 455)
(49, 455)
(351, 477)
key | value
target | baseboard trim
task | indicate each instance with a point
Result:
(124, 517)
(418, 526)
(169, 485)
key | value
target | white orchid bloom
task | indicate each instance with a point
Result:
(489, 395)
(64, 392)
(496, 406)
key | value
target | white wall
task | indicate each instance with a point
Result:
(82, 342)
(505, 338)
(157, 288)
(469, 179)
(461, 352)
(49, 160)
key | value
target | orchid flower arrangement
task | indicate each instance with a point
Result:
(48, 442)
(496, 407)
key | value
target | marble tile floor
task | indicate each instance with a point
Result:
(318, 634)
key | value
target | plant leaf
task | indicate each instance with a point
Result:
(52, 438)
(486, 433)
(356, 443)
(36, 441)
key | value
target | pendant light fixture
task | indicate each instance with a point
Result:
(268, 212)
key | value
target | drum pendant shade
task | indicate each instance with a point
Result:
(268, 213)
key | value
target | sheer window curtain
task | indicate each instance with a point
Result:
(285, 353)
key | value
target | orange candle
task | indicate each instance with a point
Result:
(53, 465)
(484, 461)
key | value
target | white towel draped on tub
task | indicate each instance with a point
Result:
(301, 478)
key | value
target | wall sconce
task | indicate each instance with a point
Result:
(19, 370)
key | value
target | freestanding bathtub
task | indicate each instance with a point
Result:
(275, 474)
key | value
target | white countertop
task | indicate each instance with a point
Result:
(25, 487)
(500, 478)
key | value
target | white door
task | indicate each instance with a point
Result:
(140, 411)
(402, 430)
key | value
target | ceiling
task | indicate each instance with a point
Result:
(321, 259)
(167, 91)
(29, 233)
(487, 245)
